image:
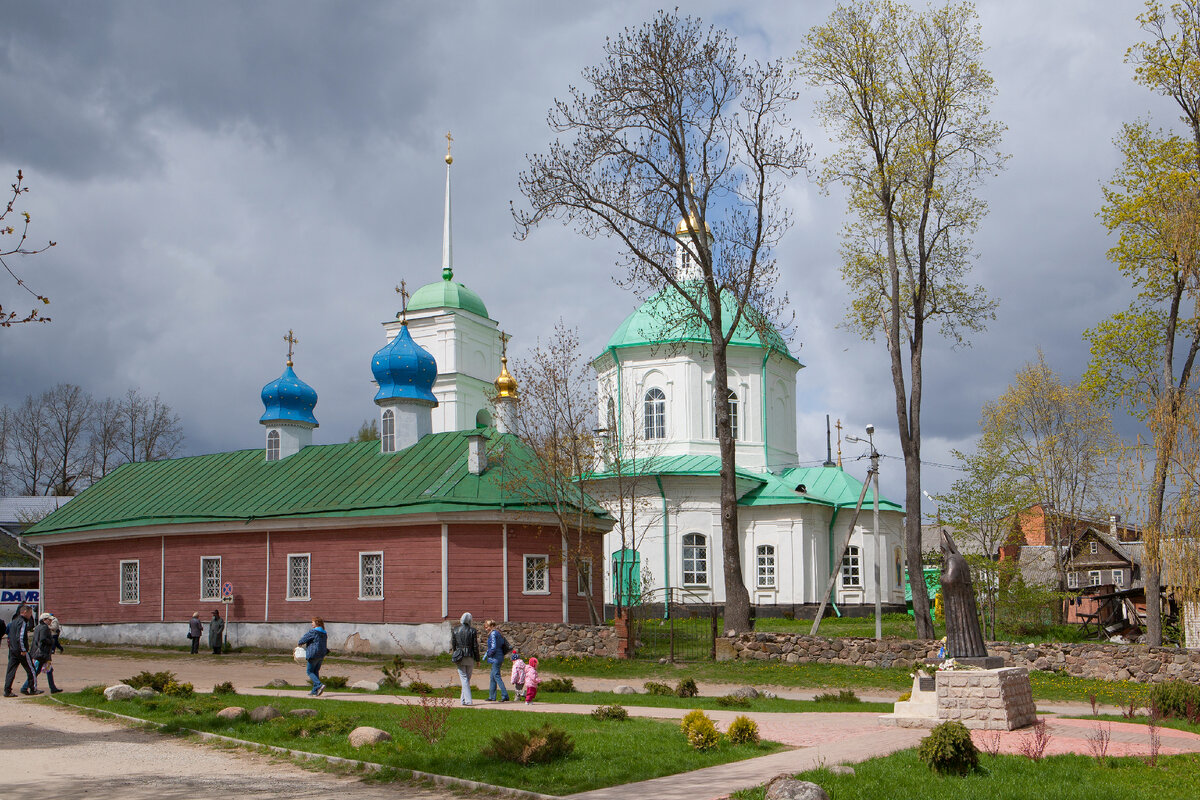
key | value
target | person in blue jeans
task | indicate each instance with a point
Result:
(315, 650)
(496, 648)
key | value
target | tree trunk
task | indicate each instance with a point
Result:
(1151, 555)
(737, 598)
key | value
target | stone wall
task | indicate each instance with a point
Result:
(1083, 660)
(556, 639)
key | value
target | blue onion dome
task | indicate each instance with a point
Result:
(289, 399)
(404, 370)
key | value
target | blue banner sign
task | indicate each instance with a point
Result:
(30, 596)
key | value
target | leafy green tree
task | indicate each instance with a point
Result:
(367, 432)
(908, 96)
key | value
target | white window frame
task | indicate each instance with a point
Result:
(654, 414)
(584, 568)
(535, 563)
(307, 577)
(1093, 547)
(852, 568)
(1072, 580)
(1118, 578)
(733, 414)
(362, 595)
(764, 559)
(273, 445)
(697, 574)
(137, 582)
(1094, 578)
(216, 595)
(387, 431)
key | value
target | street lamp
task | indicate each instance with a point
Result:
(878, 541)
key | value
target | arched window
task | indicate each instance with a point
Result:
(695, 559)
(766, 566)
(387, 435)
(655, 414)
(272, 445)
(733, 415)
(851, 568)
(610, 417)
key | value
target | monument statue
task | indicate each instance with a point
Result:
(964, 639)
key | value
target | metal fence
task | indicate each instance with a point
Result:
(674, 625)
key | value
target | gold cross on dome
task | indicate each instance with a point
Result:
(402, 290)
(291, 340)
(839, 430)
(449, 139)
(504, 337)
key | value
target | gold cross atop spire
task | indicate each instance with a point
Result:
(449, 139)
(291, 340)
(839, 430)
(504, 337)
(402, 290)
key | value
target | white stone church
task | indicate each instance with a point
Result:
(655, 406)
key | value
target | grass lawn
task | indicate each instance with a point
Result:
(902, 625)
(1142, 719)
(903, 775)
(606, 753)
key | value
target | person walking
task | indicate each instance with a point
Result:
(532, 679)
(216, 633)
(195, 631)
(18, 653)
(42, 649)
(517, 678)
(497, 648)
(315, 644)
(464, 652)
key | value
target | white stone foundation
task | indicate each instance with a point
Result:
(989, 699)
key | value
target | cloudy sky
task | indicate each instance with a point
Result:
(217, 173)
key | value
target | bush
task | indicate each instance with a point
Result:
(335, 681)
(150, 680)
(686, 688)
(904, 697)
(844, 696)
(393, 673)
(948, 749)
(538, 746)
(420, 687)
(308, 727)
(1178, 699)
(557, 685)
(174, 688)
(702, 734)
(732, 701)
(224, 688)
(743, 730)
(617, 713)
(693, 718)
(657, 689)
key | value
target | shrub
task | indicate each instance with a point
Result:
(686, 688)
(335, 681)
(702, 734)
(1171, 699)
(429, 718)
(732, 701)
(617, 713)
(844, 696)
(948, 749)
(393, 673)
(224, 688)
(657, 689)
(174, 688)
(693, 718)
(150, 680)
(538, 746)
(557, 685)
(420, 687)
(308, 727)
(742, 730)
(904, 697)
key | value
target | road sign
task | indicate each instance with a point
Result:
(227, 592)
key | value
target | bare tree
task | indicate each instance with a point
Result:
(27, 446)
(150, 430)
(67, 412)
(6, 435)
(104, 429)
(675, 124)
(9, 249)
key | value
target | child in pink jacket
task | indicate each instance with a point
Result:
(517, 678)
(531, 680)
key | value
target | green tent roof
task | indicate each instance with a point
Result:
(446, 293)
(657, 321)
(336, 480)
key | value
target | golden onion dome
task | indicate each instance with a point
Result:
(506, 384)
(686, 226)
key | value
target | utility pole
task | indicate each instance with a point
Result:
(874, 475)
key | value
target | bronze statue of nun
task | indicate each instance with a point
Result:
(964, 639)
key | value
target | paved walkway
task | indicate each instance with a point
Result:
(818, 738)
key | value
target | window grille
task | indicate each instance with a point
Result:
(130, 582)
(370, 576)
(298, 577)
(695, 559)
(210, 578)
(537, 574)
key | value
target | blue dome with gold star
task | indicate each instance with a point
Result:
(289, 399)
(404, 370)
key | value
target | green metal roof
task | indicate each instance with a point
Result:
(663, 320)
(336, 480)
(676, 465)
(829, 486)
(446, 293)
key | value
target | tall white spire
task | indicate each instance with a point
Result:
(447, 246)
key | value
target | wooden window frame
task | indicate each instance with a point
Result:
(361, 594)
(703, 549)
(307, 596)
(137, 565)
(527, 573)
(854, 553)
(760, 567)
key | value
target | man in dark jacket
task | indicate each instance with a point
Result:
(216, 633)
(195, 630)
(18, 653)
(42, 648)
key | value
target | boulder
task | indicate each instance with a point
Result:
(368, 735)
(264, 713)
(277, 683)
(370, 686)
(232, 712)
(302, 712)
(746, 692)
(768, 695)
(786, 787)
(146, 691)
(120, 691)
(623, 689)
